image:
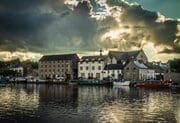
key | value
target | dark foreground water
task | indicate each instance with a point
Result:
(86, 104)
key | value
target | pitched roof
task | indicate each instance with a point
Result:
(113, 67)
(140, 65)
(124, 55)
(59, 57)
(94, 58)
(157, 67)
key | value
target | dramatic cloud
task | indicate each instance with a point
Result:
(53, 26)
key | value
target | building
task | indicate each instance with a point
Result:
(19, 70)
(160, 69)
(90, 67)
(63, 65)
(124, 57)
(136, 70)
(114, 71)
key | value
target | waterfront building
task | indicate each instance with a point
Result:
(90, 67)
(63, 65)
(124, 57)
(18, 69)
(114, 71)
(136, 70)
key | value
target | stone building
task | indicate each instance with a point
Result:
(133, 63)
(124, 57)
(63, 65)
(136, 70)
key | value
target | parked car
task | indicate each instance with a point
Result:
(60, 79)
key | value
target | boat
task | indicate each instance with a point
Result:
(92, 82)
(175, 85)
(123, 83)
(3, 81)
(153, 84)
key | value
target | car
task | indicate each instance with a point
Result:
(60, 79)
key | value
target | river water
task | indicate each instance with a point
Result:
(87, 104)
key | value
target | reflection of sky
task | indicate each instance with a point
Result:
(127, 105)
(18, 100)
(87, 103)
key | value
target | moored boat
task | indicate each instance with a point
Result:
(3, 81)
(175, 86)
(123, 83)
(153, 84)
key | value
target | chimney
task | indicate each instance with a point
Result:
(100, 52)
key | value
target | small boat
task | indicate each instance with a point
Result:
(3, 81)
(123, 83)
(175, 85)
(153, 84)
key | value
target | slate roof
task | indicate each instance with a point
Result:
(140, 65)
(59, 57)
(124, 55)
(158, 68)
(94, 58)
(113, 67)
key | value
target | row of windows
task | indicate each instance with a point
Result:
(81, 62)
(91, 75)
(53, 70)
(87, 68)
(62, 61)
(128, 68)
(55, 65)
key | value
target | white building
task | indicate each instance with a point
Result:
(19, 70)
(114, 71)
(90, 67)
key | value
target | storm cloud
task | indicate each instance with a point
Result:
(64, 25)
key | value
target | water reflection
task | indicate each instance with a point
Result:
(60, 103)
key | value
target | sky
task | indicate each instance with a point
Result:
(32, 28)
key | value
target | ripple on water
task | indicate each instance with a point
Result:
(88, 104)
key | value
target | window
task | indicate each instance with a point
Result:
(82, 74)
(49, 70)
(49, 65)
(127, 68)
(62, 70)
(93, 68)
(81, 68)
(67, 65)
(87, 68)
(41, 65)
(45, 66)
(134, 68)
(99, 67)
(45, 70)
(62, 65)
(54, 65)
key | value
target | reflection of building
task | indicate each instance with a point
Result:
(64, 65)
(92, 66)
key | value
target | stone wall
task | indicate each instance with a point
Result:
(173, 76)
